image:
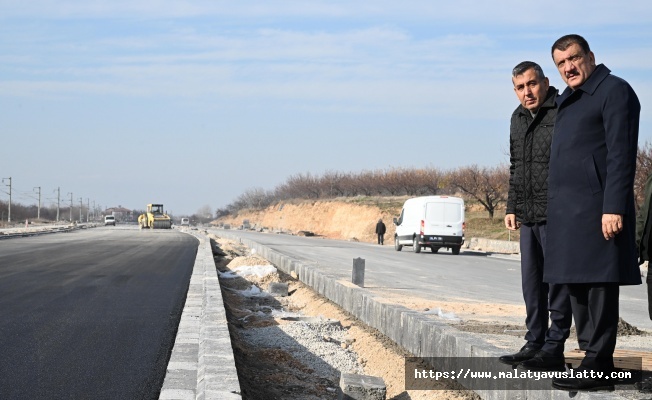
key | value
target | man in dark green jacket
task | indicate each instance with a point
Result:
(644, 238)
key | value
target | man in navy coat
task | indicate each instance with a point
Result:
(591, 216)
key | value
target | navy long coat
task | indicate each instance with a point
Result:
(592, 166)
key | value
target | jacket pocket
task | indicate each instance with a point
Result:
(592, 174)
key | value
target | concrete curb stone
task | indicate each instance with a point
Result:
(202, 364)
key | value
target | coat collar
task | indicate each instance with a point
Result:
(590, 86)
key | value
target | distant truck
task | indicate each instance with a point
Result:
(185, 222)
(431, 221)
(109, 220)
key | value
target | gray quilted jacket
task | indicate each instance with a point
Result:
(529, 149)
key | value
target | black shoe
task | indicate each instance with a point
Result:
(582, 384)
(526, 352)
(644, 386)
(543, 361)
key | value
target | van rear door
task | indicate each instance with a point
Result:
(444, 217)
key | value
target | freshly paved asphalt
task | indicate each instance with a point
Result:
(91, 314)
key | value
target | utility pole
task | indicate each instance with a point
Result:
(88, 208)
(70, 193)
(58, 201)
(38, 213)
(81, 205)
(94, 211)
(9, 210)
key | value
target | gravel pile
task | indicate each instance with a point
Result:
(321, 346)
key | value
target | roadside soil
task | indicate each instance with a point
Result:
(276, 373)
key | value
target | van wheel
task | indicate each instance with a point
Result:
(434, 249)
(416, 247)
(397, 246)
(456, 249)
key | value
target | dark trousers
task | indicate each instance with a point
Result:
(543, 301)
(649, 294)
(381, 238)
(595, 309)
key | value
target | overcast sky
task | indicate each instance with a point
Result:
(190, 103)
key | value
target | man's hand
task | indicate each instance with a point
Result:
(612, 224)
(511, 223)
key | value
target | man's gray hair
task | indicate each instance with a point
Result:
(526, 65)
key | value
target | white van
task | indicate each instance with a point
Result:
(431, 221)
(109, 220)
(185, 222)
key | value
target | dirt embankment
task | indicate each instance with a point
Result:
(332, 219)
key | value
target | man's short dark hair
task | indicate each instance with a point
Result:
(566, 41)
(526, 65)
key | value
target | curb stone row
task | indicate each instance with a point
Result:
(202, 364)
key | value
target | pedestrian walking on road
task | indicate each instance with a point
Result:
(591, 245)
(531, 132)
(380, 231)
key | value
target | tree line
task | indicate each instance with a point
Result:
(487, 186)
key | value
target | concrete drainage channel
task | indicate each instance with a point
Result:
(416, 333)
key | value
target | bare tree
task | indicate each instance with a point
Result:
(348, 184)
(486, 185)
(331, 184)
(364, 183)
(391, 182)
(256, 198)
(222, 212)
(428, 181)
(643, 170)
(305, 185)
